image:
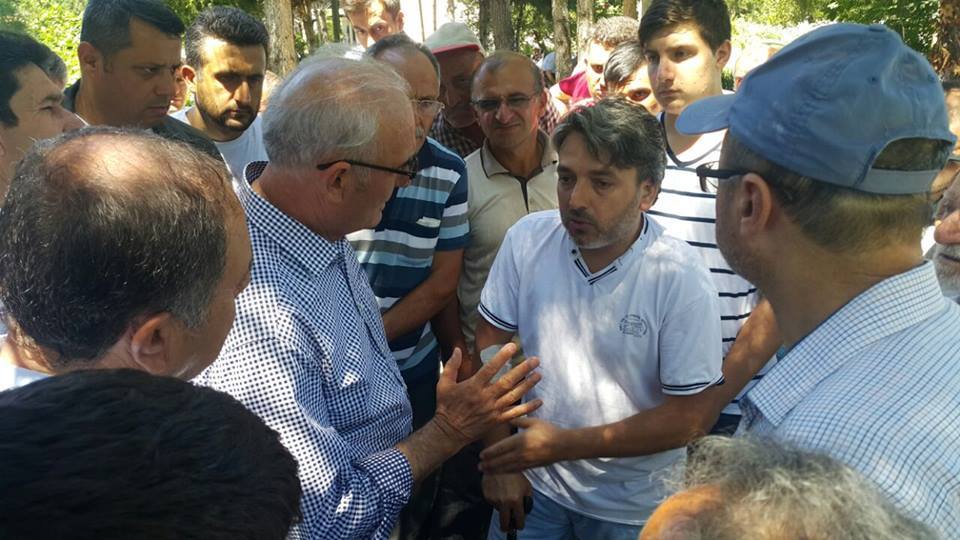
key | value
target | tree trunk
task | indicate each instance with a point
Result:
(518, 30)
(945, 55)
(584, 27)
(451, 9)
(483, 23)
(322, 23)
(305, 14)
(502, 23)
(335, 15)
(279, 22)
(561, 37)
(630, 8)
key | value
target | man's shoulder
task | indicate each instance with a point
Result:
(174, 129)
(441, 156)
(536, 227)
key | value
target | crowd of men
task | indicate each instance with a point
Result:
(421, 293)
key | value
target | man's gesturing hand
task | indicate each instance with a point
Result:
(467, 410)
(540, 443)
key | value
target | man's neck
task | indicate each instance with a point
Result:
(84, 105)
(523, 160)
(678, 142)
(209, 128)
(280, 188)
(600, 258)
(806, 290)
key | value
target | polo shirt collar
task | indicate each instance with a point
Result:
(638, 246)
(492, 167)
(309, 249)
(888, 307)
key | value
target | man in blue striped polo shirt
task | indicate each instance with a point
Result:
(822, 191)
(414, 255)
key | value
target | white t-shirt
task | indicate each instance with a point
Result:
(240, 151)
(687, 213)
(611, 344)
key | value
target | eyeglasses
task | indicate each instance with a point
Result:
(710, 175)
(516, 102)
(410, 168)
(427, 106)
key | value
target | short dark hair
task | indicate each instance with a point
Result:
(355, 6)
(623, 63)
(402, 42)
(106, 23)
(950, 85)
(845, 220)
(497, 60)
(16, 51)
(84, 249)
(113, 454)
(710, 17)
(230, 24)
(620, 134)
(612, 31)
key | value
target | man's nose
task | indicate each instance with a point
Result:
(948, 230)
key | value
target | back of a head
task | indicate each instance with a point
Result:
(402, 43)
(229, 24)
(768, 491)
(106, 23)
(113, 454)
(331, 108)
(17, 51)
(613, 31)
(103, 225)
(623, 63)
(710, 17)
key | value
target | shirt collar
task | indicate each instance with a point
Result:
(888, 307)
(492, 167)
(638, 246)
(312, 251)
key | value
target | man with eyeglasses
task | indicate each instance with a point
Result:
(946, 253)
(459, 54)
(414, 255)
(513, 174)
(308, 352)
(823, 211)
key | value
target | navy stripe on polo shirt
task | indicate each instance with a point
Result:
(427, 216)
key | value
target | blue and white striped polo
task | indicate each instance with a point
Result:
(428, 215)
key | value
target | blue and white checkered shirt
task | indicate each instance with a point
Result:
(877, 386)
(307, 353)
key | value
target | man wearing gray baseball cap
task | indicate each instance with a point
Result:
(822, 192)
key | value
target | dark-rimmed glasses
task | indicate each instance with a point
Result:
(516, 102)
(410, 169)
(710, 175)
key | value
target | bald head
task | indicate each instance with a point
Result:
(499, 60)
(332, 108)
(102, 226)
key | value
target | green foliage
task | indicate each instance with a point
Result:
(55, 23)
(915, 20)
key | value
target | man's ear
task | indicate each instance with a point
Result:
(399, 21)
(723, 54)
(333, 180)
(189, 75)
(755, 204)
(90, 58)
(648, 195)
(152, 342)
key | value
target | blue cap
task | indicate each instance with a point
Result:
(827, 104)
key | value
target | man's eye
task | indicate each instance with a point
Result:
(597, 68)
(517, 101)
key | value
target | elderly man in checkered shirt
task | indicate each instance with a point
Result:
(308, 352)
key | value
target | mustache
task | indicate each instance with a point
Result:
(581, 215)
(420, 132)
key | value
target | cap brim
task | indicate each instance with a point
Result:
(708, 114)
(459, 47)
(954, 157)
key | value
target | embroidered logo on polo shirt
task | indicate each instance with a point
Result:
(634, 325)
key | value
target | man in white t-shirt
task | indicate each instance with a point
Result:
(687, 44)
(226, 61)
(626, 323)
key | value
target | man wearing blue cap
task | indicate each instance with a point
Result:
(822, 193)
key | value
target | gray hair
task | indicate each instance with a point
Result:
(499, 59)
(330, 108)
(620, 134)
(769, 490)
(402, 42)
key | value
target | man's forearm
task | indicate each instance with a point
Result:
(449, 333)
(756, 344)
(427, 448)
(417, 307)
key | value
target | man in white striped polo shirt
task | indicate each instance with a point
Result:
(823, 190)
(686, 44)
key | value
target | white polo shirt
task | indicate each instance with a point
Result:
(240, 151)
(611, 344)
